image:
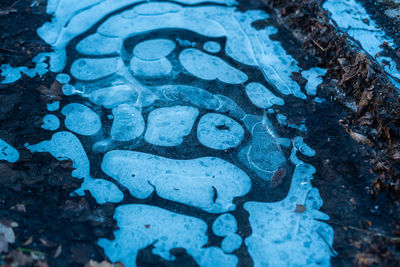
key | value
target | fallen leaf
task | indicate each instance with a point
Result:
(58, 252)
(359, 138)
(300, 208)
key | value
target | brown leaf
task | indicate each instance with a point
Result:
(58, 252)
(300, 208)
(359, 138)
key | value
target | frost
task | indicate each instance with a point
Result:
(212, 47)
(8, 152)
(282, 119)
(155, 226)
(113, 96)
(103, 191)
(231, 242)
(128, 123)
(302, 147)
(87, 69)
(224, 225)
(290, 238)
(53, 106)
(207, 67)
(168, 126)
(50, 122)
(81, 119)
(219, 132)
(190, 94)
(207, 183)
(260, 96)
(313, 77)
(65, 145)
(154, 49)
(263, 155)
(97, 44)
(154, 68)
(63, 78)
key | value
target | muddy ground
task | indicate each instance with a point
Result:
(360, 187)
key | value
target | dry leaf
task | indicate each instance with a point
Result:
(300, 208)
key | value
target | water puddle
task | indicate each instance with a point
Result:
(171, 110)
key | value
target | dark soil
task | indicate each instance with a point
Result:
(358, 183)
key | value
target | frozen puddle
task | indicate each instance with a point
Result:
(171, 99)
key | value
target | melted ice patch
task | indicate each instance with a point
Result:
(260, 96)
(154, 49)
(207, 183)
(81, 119)
(50, 122)
(168, 126)
(291, 238)
(8, 152)
(128, 123)
(142, 225)
(218, 131)
(208, 67)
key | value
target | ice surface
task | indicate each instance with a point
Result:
(260, 96)
(113, 96)
(8, 152)
(218, 131)
(128, 123)
(154, 49)
(53, 106)
(263, 155)
(65, 145)
(207, 183)
(97, 44)
(291, 238)
(87, 69)
(154, 68)
(313, 77)
(50, 122)
(212, 47)
(81, 119)
(143, 225)
(102, 190)
(208, 67)
(189, 94)
(168, 126)
(63, 78)
(282, 119)
(302, 147)
(224, 225)
(231, 242)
